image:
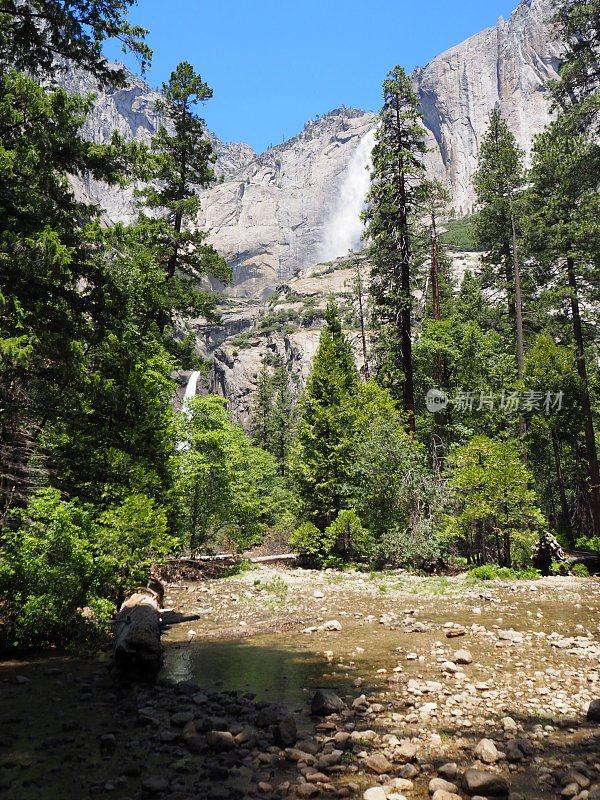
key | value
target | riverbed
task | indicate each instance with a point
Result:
(437, 676)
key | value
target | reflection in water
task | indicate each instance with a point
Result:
(280, 675)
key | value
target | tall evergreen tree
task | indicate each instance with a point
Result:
(182, 163)
(577, 91)
(321, 462)
(498, 180)
(392, 205)
(564, 236)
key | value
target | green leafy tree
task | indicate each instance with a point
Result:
(321, 458)
(577, 91)
(496, 513)
(230, 490)
(391, 490)
(274, 414)
(392, 204)
(563, 236)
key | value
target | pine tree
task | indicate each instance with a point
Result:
(321, 460)
(577, 91)
(436, 199)
(563, 234)
(45, 37)
(182, 163)
(498, 181)
(392, 206)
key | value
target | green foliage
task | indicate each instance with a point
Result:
(460, 234)
(180, 165)
(321, 458)
(590, 543)
(131, 538)
(392, 206)
(63, 569)
(230, 490)
(274, 414)
(47, 571)
(496, 515)
(349, 540)
(580, 571)
(490, 572)
(43, 37)
(310, 543)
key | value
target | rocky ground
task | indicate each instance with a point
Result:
(291, 683)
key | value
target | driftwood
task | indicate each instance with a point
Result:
(137, 650)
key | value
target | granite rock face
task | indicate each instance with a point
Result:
(131, 112)
(298, 203)
(509, 66)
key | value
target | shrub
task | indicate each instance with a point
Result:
(311, 544)
(580, 571)
(63, 570)
(48, 573)
(591, 543)
(130, 538)
(349, 540)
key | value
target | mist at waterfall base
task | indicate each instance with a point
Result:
(343, 229)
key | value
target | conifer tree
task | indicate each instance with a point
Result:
(392, 205)
(182, 163)
(498, 180)
(321, 461)
(45, 37)
(563, 234)
(577, 91)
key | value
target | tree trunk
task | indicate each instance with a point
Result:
(518, 301)
(137, 650)
(363, 336)
(590, 438)
(564, 506)
(435, 271)
(404, 316)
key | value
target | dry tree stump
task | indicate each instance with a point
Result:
(137, 651)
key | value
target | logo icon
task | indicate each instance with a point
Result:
(436, 400)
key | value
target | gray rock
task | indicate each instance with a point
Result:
(326, 702)
(593, 712)
(485, 784)
(285, 732)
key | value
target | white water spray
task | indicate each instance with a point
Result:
(343, 229)
(189, 394)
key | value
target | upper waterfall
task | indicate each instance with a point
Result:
(343, 228)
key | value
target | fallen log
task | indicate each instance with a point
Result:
(137, 651)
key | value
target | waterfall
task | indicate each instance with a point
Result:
(189, 394)
(343, 228)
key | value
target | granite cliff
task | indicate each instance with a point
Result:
(298, 203)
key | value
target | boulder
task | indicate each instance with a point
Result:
(326, 702)
(485, 784)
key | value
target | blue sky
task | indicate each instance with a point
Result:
(274, 64)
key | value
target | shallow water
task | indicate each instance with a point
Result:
(282, 674)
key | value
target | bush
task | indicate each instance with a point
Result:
(591, 543)
(130, 538)
(580, 571)
(349, 540)
(62, 568)
(489, 572)
(312, 545)
(48, 573)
